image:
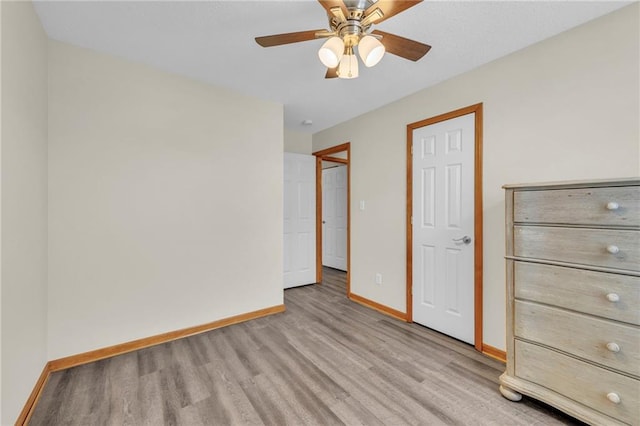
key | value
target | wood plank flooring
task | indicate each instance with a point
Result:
(325, 361)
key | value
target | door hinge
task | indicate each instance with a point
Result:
(411, 220)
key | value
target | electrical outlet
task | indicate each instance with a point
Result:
(378, 278)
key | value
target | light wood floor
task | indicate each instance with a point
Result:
(324, 361)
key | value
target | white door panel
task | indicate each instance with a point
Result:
(299, 220)
(443, 214)
(334, 217)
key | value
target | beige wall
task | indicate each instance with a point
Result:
(297, 142)
(1, 213)
(24, 205)
(566, 108)
(165, 206)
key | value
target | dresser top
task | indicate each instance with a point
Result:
(597, 183)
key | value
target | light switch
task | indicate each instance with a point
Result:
(361, 204)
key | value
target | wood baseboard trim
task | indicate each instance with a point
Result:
(378, 307)
(108, 352)
(494, 353)
(27, 410)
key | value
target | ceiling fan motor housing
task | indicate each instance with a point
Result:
(350, 27)
(351, 32)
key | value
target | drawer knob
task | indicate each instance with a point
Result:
(612, 205)
(613, 347)
(612, 297)
(613, 249)
(613, 397)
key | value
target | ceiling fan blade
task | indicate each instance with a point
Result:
(328, 4)
(279, 39)
(403, 47)
(389, 8)
(331, 73)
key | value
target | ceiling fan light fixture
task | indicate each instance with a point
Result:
(349, 29)
(348, 67)
(331, 52)
(371, 50)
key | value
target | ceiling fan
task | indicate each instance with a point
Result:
(350, 23)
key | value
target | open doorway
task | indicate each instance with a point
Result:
(334, 215)
(333, 247)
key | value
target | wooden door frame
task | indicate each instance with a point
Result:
(478, 259)
(328, 155)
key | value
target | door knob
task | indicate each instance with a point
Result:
(466, 239)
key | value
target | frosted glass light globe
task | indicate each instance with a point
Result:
(370, 50)
(348, 67)
(331, 52)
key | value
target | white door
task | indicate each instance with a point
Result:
(299, 219)
(443, 226)
(334, 217)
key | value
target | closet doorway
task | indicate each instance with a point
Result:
(444, 224)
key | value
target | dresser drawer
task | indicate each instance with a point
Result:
(619, 249)
(580, 290)
(585, 383)
(580, 335)
(618, 206)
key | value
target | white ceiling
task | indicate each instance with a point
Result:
(213, 41)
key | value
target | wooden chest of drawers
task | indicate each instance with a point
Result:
(573, 298)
